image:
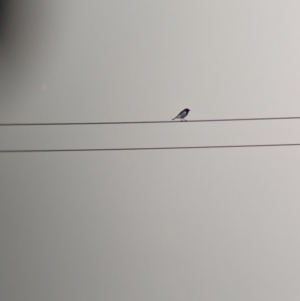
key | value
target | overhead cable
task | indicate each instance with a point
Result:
(147, 148)
(146, 122)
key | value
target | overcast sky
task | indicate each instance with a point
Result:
(167, 225)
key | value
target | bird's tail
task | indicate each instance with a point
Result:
(174, 118)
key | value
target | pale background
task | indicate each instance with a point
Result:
(216, 224)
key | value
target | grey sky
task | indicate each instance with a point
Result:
(158, 225)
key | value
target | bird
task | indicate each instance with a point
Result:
(182, 114)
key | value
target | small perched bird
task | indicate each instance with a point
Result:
(182, 114)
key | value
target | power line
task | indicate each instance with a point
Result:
(148, 122)
(145, 148)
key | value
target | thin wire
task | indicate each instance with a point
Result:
(145, 148)
(145, 122)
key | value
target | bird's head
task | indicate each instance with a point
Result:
(187, 110)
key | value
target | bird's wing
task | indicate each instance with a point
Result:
(182, 112)
(177, 116)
